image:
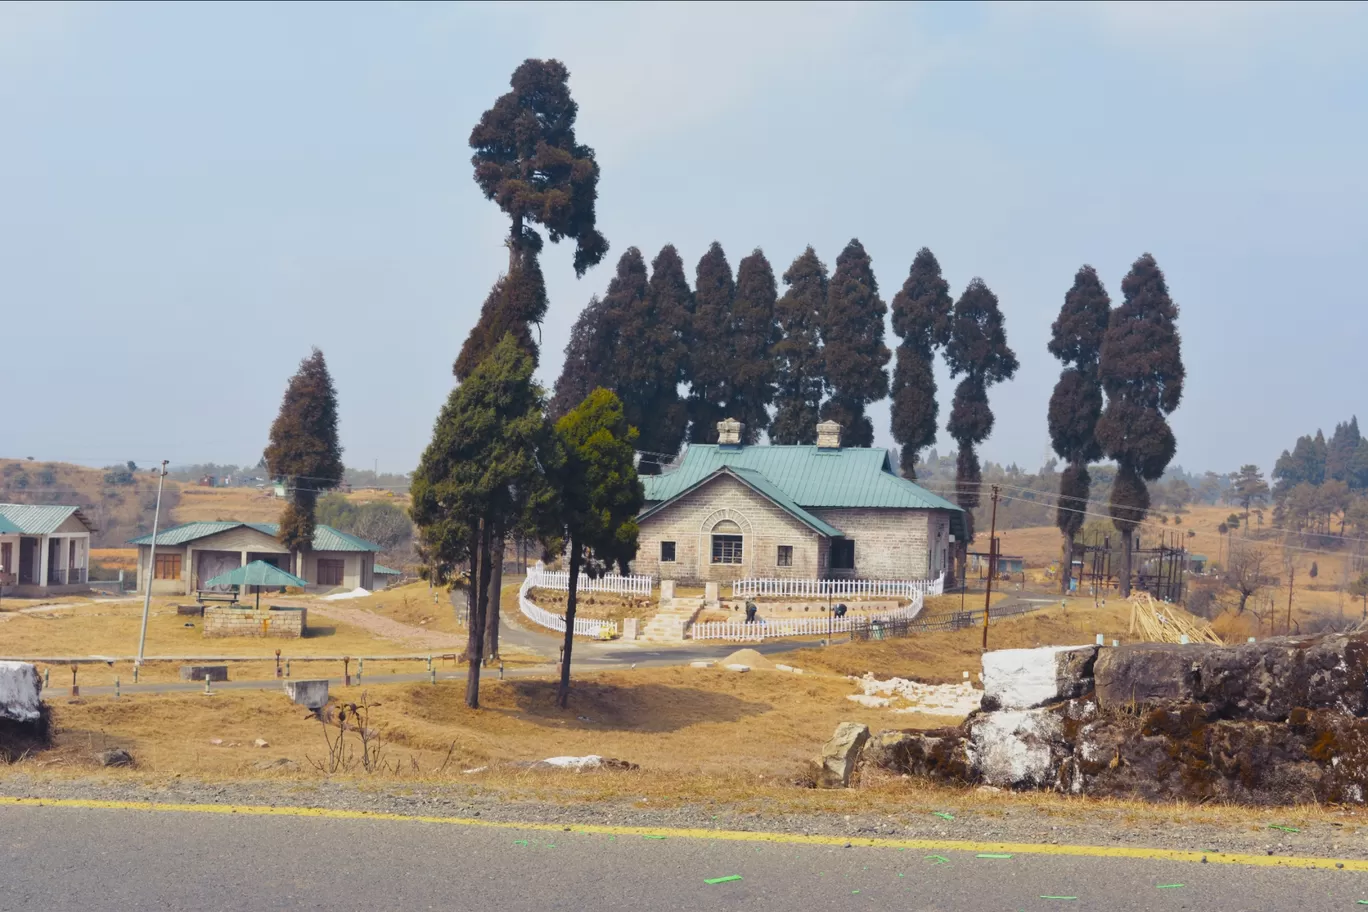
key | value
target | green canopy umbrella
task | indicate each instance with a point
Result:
(258, 573)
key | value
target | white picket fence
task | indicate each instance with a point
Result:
(542, 578)
(765, 628)
(840, 588)
(589, 627)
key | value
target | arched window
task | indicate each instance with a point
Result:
(726, 542)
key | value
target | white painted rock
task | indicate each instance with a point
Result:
(593, 761)
(1026, 678)
(700, 664)
(867, 700)
(20, 692)
(1012, 747)
(738, 668)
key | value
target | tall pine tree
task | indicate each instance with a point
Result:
(1076, 404)
(304, 450)
(798, 353)
(921, 318)
(977, 349)
(1142, 373)
(752, 335)
(853, 351)
(709, 366)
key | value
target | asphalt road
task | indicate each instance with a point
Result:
(57, 858)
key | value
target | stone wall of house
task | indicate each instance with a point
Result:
(246, 622)
(889, 544)
(764, 527)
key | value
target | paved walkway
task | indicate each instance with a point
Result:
(390, 629)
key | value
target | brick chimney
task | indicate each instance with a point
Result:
(729, 432)
(828, 435)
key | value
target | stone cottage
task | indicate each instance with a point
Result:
(731, 511)
(192, 553)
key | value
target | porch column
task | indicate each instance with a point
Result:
(43, 561)
(188, 571)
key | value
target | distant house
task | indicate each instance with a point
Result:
(192, 553)
(385, 577)
(731, 511)
(1196, 563)
(1005, 564)
(44, 550)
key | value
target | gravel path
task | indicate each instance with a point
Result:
(390, 629)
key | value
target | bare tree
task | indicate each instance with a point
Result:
(1246, 567)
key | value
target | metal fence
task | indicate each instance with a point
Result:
(609, 582)
(878, 629)
(837, 588)
(762, 628)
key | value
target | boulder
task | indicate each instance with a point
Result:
(20, 692)
(1267, 680)
(114, 757)
(1147, 674)
(840, 753)
(309, 694)
(1022, 748)
(939, 754)
(1027, 678)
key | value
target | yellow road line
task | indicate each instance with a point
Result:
(952, 845)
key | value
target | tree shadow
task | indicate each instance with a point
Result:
(650, 708)
(313, 630)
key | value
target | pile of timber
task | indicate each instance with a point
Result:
(1159, 622)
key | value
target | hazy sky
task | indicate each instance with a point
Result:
(193, 195)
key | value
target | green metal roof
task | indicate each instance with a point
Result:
(382, 570)
(765, 488)
(325, 538)
(809, 476)
(29, 519)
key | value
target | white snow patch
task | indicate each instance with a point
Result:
(20, 687)
(358, 592)
(932, 699)
(1012, 747)
(1022, 678)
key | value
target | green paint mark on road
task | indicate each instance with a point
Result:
(520, 842)
(728, 879)
(939, 859)
(1285, 829)
(1059, 897)
(991, 855)
(650, 836)
(944, 816)
(1168, 886)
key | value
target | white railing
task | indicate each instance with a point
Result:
(610, 582)
(765, 628)
(589, 627)
(837, 588)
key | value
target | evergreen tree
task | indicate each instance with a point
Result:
(528, 161)
(1142, 373)
(798, 354)
(1304, 465)
(598, 498)
(304, 451)
(1248, 489)
(1341, 451)
(588, 358)
(709, 365)
(977, 349)
(479, 478)
(1076, 404)
(921, 318)
(515, 303)
(853, 352)
(752, 335)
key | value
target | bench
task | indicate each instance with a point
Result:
(209, 595)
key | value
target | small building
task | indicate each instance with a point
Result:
(1196, 563)
(1006, 564)
(385, 577)
(730, 511)
(44, 550)
(190, 554)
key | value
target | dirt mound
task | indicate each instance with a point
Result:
(747, 657)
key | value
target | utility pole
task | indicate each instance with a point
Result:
(151, 565)
(992, 562)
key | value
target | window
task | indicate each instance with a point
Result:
(168, 566)
(667, 551)
(785, 558)
(330, 572)
(726, 549)
(842, 554)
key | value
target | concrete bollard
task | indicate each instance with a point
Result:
(287, 668)
(1101, 640)
(501, 671)
(135, 672)
(207, 679)
(432, 675)
(47, 677)
(429, 668)
(360, 669)
(116, 688)
(346, 671)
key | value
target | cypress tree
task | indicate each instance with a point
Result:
(1142, 373)
(798, 354)
(709, 367)
(752, 335)
(588, 358)
(977, 349)
(1076, 404)
(304, 451)
(921, 318)
(517, 300)
(853, 351)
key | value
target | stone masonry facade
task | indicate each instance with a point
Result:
(286, 623)
(892, 544)
(689, 524)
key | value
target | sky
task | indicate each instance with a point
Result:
(192, 196)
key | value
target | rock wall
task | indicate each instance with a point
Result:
(1277, 722)
(247, 622)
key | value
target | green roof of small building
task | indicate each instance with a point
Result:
(325, 538)
(386, 571)
(30, 519)
(765, 488)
